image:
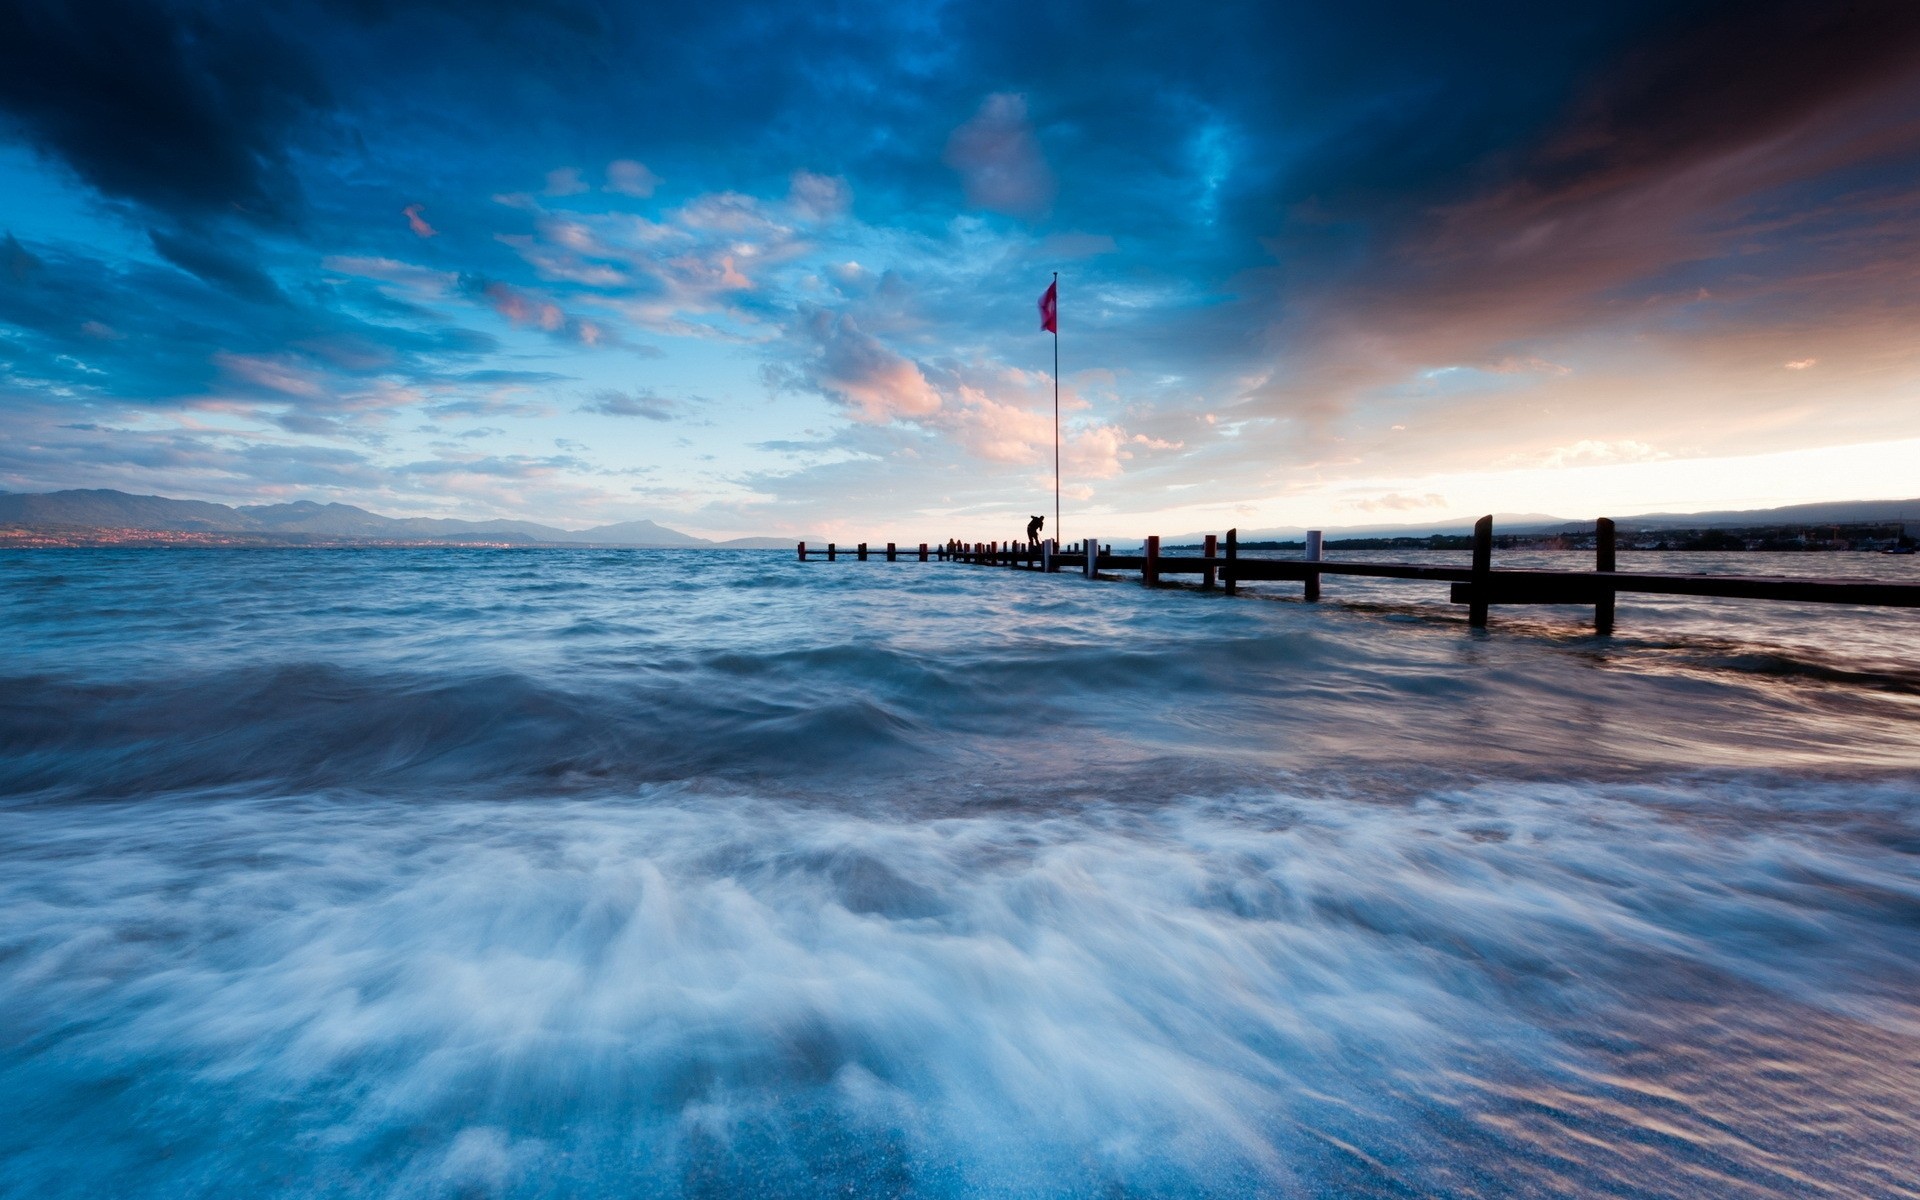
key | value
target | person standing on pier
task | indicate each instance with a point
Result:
(1033, 530)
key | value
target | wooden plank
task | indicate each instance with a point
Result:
(1208, 553)
(1231, 576)
(1734, 587)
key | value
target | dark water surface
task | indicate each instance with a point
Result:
(578, 873)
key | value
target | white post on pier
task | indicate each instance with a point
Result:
(1313, 555)
(1093, 557)
(1046, 557)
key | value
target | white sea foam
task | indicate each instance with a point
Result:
(685, 992)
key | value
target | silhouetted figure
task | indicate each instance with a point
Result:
(1033, 530)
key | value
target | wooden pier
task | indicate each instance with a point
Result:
(1478, 585)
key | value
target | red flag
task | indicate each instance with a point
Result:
(1050, 308)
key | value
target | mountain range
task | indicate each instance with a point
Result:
(304, 520)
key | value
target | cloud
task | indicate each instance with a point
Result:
(214, 264)
(425, 280)
(612, 403)
(566, 181)
(1800, 364)
(189, 112)
(999, 159)
(630, 178)
(16, 261)
(418, 223)
(998, 430)
(819, 197)
(1588, 452)
(528, 309)
(854, 368)
(281, 374)
(1401, 502)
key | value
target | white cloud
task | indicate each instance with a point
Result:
(819, 197)
(565, 181)
(630, 178)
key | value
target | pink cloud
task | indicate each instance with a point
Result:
(878, 385)
(418, 223)
(274, 374)
(522, 309)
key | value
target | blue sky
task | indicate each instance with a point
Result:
(769, 268)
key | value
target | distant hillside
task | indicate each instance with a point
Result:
(305, 521)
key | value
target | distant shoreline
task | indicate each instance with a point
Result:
(174, 539)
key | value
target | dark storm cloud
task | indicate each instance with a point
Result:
(188, 109)
(203, 257)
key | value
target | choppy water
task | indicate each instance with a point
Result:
(454, 873)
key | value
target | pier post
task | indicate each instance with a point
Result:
(890, 555)
(1093, 558)
(1150, 571)
(1314, 544)
(1482, 571)
(863, 552)
(830, 551)
(1227, 578)
(1206, 581)
(803, 552)
(923, 552)
(1603, 560)
(1046, 557)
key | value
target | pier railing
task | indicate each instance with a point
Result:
(1478, 585)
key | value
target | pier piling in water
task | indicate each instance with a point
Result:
(1603, 561)
(1150, 570)
(1312, 554)
(1482, 572)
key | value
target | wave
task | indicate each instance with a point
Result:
(695, 992)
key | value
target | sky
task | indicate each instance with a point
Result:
(772, 268)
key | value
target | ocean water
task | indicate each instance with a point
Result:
(577, 873)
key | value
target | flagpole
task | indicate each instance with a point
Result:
(1056, 410)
